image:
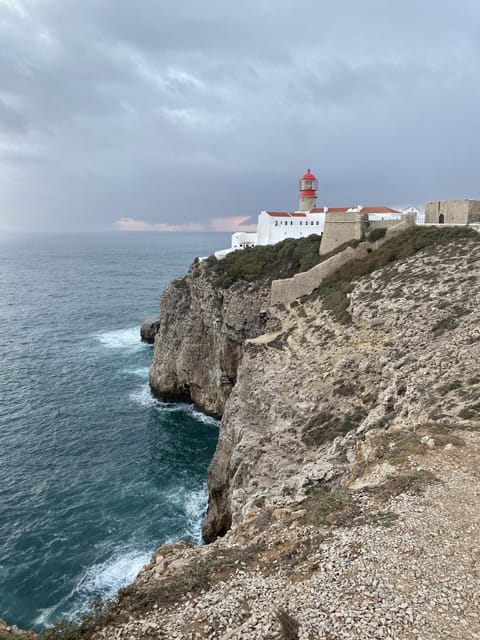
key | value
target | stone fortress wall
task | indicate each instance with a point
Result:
(452, 212)
(340, 228)
(302, 284)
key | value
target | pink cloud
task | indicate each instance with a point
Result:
(130, 224)
(235, 223)
(231, 224)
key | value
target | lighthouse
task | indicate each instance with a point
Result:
(308, 186)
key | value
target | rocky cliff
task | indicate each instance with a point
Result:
(200, 336)
(344, 495)
(397, 349)
(206, 317)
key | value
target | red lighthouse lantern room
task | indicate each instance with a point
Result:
(308, 186)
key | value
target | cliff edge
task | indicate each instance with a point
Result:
(390, 352)
(200, 335)
(206, 317)
(344, 496)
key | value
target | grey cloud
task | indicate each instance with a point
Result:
(177, 112)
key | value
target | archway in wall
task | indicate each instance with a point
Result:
(441, 219)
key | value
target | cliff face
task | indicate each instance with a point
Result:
(201, 332)
(346, 474)
(310, 398)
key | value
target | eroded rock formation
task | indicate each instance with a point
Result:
(309, 397)
(346, 471)
(199, 341)
(149, 330)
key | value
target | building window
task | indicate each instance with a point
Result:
(316, 222)
(276, 223)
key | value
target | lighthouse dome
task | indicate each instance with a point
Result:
(308, 176)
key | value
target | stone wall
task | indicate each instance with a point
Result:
(381, 224)
(453, 211)
(340, 228)
(302, 284)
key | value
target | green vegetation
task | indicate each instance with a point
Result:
(325, 427)
(199, 575)
(377, 234)
(397, 447)
(327, 506)
(450, 386)
(335, 289)
(272, 262)
(280, 260)
(470, 412)
(414, 483)
(381, 518)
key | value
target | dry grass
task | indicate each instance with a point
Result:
(328, 506)
(335, 289)
(289, 626)
(413, 483)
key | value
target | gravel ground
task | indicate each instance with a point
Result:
(414, 580)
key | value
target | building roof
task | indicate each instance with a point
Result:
(359, 209)
(300, 214)
(379, 210)
(285, 214)
(331, 210)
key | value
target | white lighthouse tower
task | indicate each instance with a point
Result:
(308, 186)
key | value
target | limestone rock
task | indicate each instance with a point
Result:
(200, 335)
(306, 403)
(149, 330)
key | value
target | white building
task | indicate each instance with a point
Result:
(275, 226)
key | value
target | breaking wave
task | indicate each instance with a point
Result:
(125, 339)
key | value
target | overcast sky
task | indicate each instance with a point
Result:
(190, 113)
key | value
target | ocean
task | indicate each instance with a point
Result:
(95, 473)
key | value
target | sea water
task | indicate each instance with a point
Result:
(95, 474)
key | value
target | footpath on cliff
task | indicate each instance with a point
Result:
(344, 494)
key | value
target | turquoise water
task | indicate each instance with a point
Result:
(94, 473)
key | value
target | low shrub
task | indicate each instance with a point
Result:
(325, 427)
(289, 626)
(281, 260)
(413, 483)
(329, 506)
(377, 234)
(335, 289)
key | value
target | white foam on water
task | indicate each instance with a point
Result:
(195, 509)
(125, 339)
(199, 416)
(101, 580)
(144, 396)
(193, 503)
(141, 372)
(106, 578)
(44, 619)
